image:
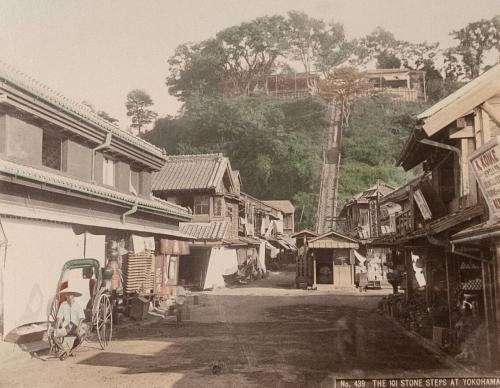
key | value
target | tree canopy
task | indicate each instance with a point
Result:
(137, 105)
(277, 145)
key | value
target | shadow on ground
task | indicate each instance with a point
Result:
(302, 345)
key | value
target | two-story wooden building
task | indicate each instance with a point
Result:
(206, 184)
(70, 182)
(360, 218)
(449, 261)
(271, 221)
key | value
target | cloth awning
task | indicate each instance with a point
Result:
(37, 213)
(360, 257)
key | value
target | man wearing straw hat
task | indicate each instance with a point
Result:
(70, 317)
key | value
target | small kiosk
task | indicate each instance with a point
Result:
(331, 256)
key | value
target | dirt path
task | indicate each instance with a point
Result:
(237, 338)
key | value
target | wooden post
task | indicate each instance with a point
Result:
(409, 275)
(314, 271)
(448, 295)
(496, 285)
(487, 312)
(495, 353)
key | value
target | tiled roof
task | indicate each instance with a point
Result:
(190, 172)
(382, 188)
(210, 231)
(57, 180)
(284, 205)
(50, 96)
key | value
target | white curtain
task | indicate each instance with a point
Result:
(261, 263)
(222, 261)
(360, 257)
(36, 252)
(95, 247)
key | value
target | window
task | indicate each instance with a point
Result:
(134, 182)
(287, 221)
(218, 205)
(229, 213)
(201, 205)
(108, 171)
(51, 151)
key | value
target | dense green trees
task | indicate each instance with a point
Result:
(377, 131)
(277, 145)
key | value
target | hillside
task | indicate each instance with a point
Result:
(277, 145)
(377, 130)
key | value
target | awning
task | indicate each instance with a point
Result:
(37, 213)
(477, 232)
(282, 244)
(359, 257)
(242, 241)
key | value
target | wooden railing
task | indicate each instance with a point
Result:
(404, 223)
(400, 94)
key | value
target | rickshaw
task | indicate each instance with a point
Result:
(98, 311)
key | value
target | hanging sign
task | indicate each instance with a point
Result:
(422, 204)
(485, 163)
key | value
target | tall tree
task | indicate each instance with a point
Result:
(316, 44)
(196, 69)
(138, 102)
(235, 61)
(475, 40)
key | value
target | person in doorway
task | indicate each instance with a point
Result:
(394, 279)
(70, 321)
(180, 300)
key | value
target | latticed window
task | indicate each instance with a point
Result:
(201, 205)
(218, 207)
(51, 151)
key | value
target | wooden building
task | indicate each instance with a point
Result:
(288, 212)
(326, 261)
(70, 183)
(206, 184)
(401, 84)
(360, 218)
(455, 281)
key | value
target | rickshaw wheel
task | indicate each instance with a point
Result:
(104, 320)
(51, 322)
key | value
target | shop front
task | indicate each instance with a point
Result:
(332, 258)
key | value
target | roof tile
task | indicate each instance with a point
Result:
(190, 172)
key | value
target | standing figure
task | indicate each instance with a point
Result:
(180, 300)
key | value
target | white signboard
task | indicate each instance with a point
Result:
(485, 163)
(422, 204)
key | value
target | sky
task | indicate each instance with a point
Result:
(99, 50)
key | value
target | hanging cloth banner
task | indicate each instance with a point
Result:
(360, 257)
(174, 247)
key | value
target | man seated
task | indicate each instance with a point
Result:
(70, 317)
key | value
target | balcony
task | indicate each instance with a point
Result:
(404, 223)
(400, 94)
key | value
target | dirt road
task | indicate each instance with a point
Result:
(258, 335)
